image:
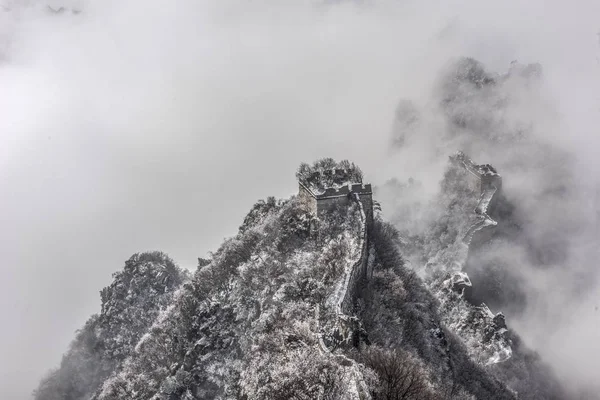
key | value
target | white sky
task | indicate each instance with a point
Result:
(141, 125)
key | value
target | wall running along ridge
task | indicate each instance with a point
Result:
(487, 182)
(347, 325)
(319, 203)
(345, 293)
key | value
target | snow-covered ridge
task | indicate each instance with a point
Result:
(490, 182)
(483, 332)
(342, 300)
(344, 293)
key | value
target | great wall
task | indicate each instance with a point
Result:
(487, 182)
(341, 301)
(319, 202)
(484, 182)
(493, 346)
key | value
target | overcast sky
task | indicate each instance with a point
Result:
(141, 125)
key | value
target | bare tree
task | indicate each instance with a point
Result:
(400, 375)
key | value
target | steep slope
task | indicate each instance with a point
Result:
(246, 325)
(475, 260)
(130, 305)
(400, 313)
(495, 117)
(462, 225)
(293, 306)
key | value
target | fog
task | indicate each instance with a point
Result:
(139, 125)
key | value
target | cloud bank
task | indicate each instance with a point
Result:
(144, 125)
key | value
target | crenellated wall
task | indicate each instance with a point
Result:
(345, 190)
(343, 298)
(486, 182)
(319, 203)
(486, 331)
(359, 271)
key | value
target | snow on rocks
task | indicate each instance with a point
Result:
(484, 332)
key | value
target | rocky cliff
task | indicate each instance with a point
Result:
(284, 311)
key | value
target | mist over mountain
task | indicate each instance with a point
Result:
(539, 263)
(133, 126)
(311, 299)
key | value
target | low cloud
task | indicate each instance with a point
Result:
(141, 125)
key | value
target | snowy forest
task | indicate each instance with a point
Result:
(258, 318)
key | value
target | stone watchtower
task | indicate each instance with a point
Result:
(322, 198)
(483, 180)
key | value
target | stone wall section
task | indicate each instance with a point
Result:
(348, 326)
(359, 272)
(487, 182)
(330, 198)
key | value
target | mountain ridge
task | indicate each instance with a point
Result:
(300, 305)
